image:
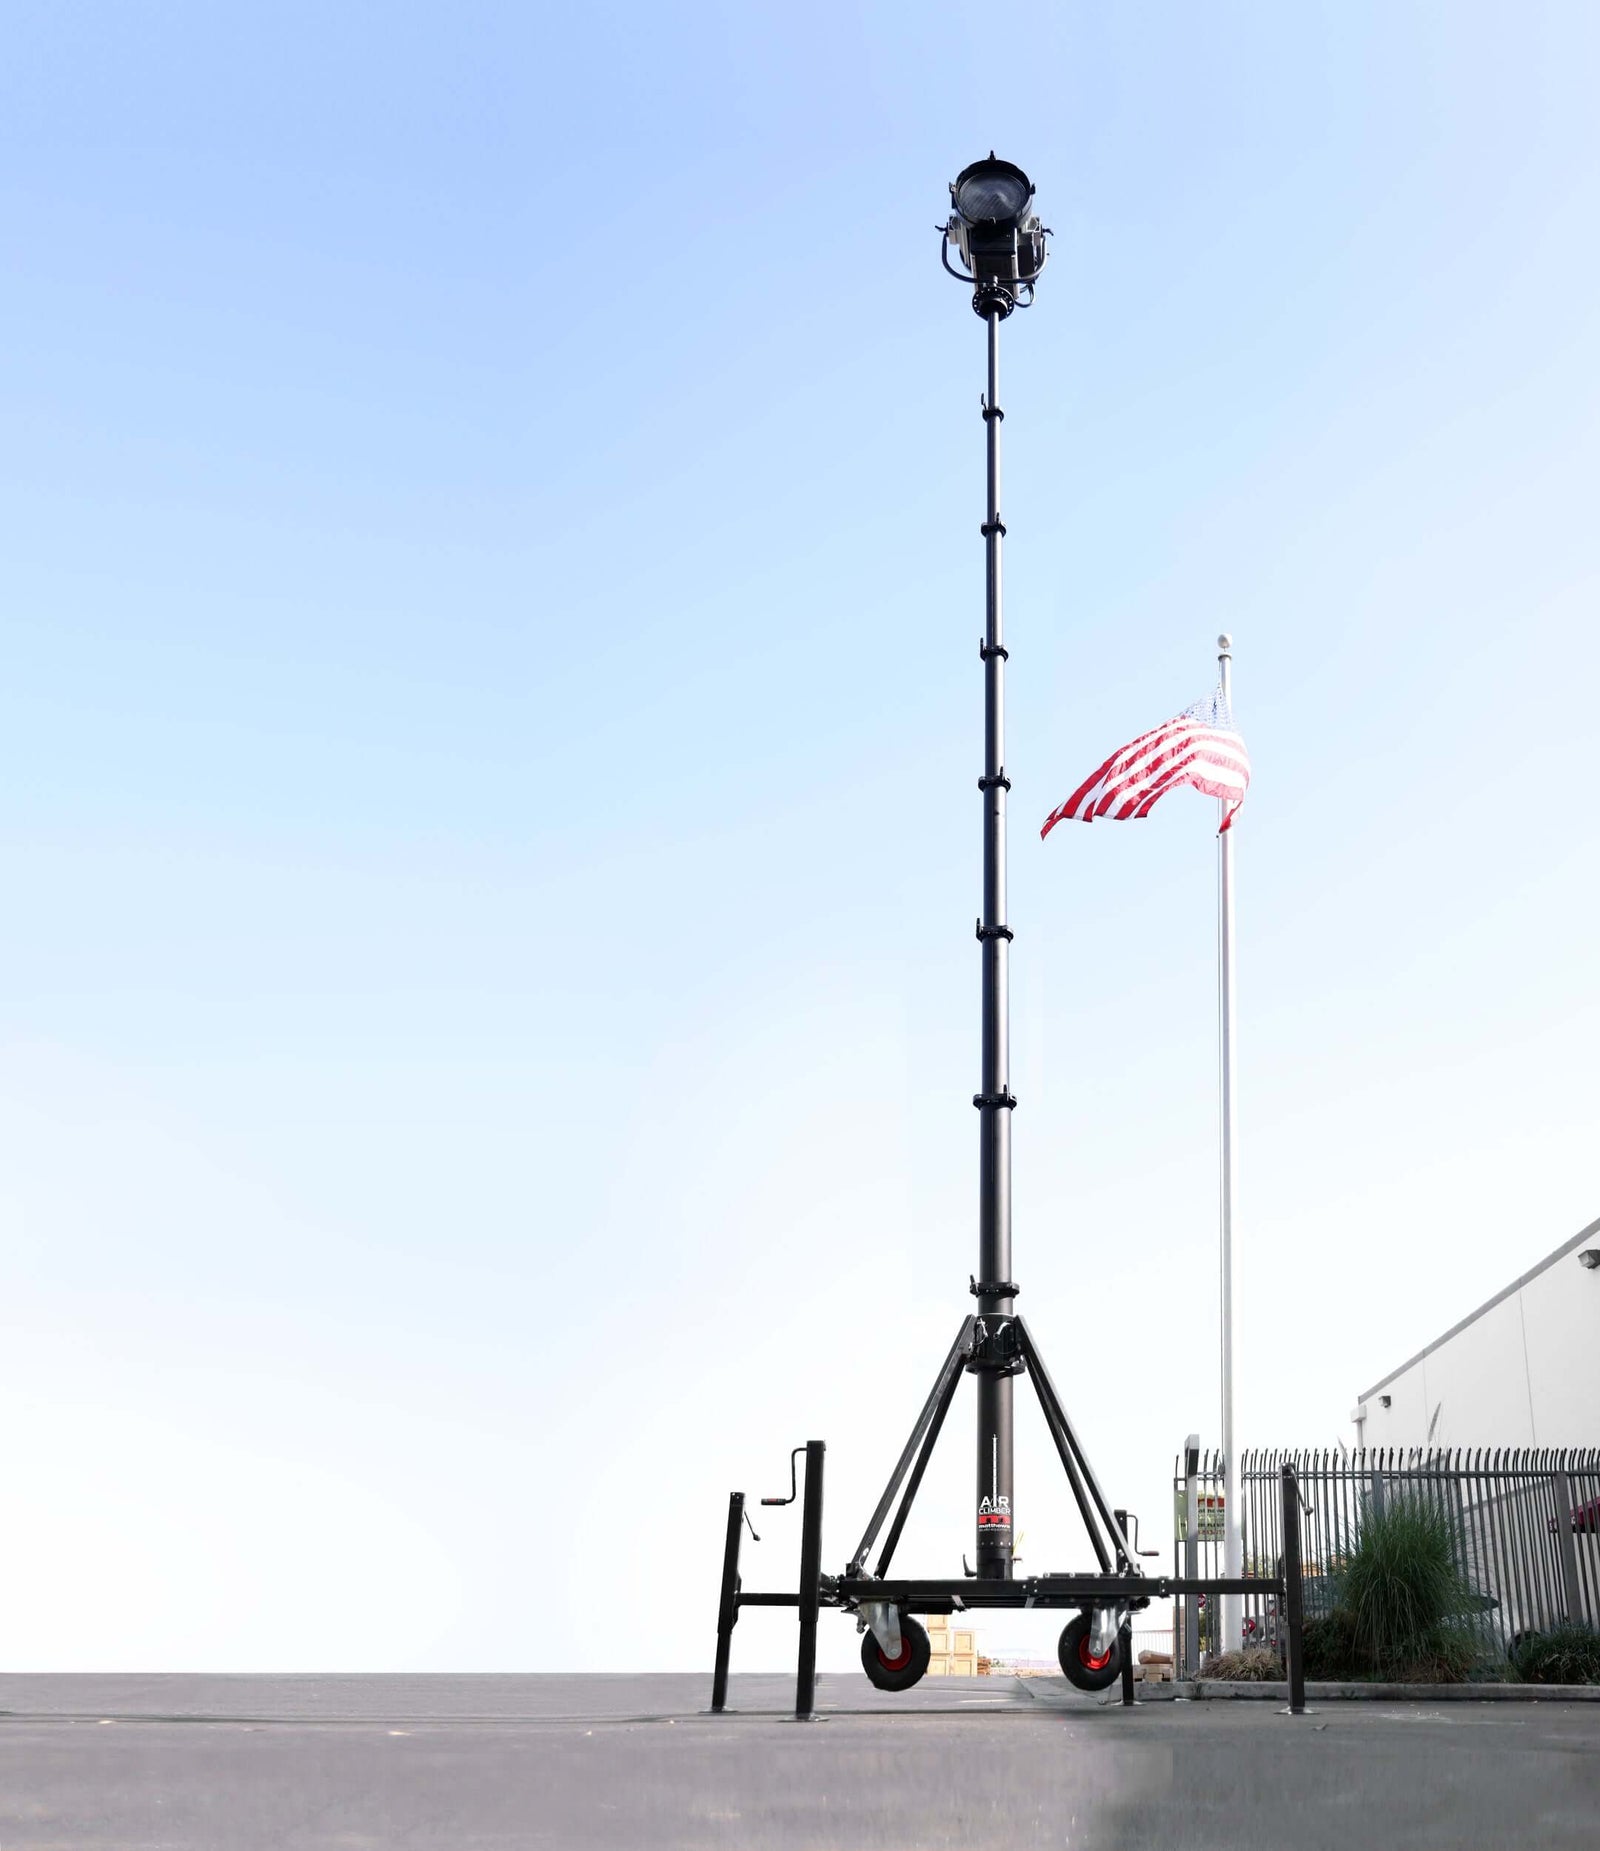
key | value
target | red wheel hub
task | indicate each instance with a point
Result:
(900, 1663)
(1088, 1659)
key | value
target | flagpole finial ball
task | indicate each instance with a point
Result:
(1224, 641)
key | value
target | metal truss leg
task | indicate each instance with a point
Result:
(914, 1483)
(805, 1690)
(728, 1606)
(1125, 1642)
(1080, 1476)
(932, 1411)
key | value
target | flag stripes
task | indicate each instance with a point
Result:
(1200, 747)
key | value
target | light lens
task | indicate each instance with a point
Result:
(991, 194)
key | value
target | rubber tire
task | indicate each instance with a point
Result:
(915, 1651)
(1073, 1651)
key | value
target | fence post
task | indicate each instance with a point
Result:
(805, 1690)
(1293, 1594)
(1566, 1548)
(728, 1606)
(1191, 1554)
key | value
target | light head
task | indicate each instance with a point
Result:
(996, 233)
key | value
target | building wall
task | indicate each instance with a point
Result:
(1561, 1309)
(1524, 1370)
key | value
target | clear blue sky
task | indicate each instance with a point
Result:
(489, 714)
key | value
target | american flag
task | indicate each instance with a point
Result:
(1200, 746)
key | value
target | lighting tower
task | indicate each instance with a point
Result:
(1001, 242)
(1000, 246)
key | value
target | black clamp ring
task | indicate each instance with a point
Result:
(993, 411)
(990, 527)
(991, 299)
(999, 649)
(1001, 780)
(1000, 1288)
(983, 1100)
(984, 931)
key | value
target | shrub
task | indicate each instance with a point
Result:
(1330, 1647)
(1256, 1664)
(1404, 1599)
(1566, 1654)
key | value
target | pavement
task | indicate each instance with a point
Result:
(463, 1763)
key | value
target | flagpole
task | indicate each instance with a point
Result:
(1232, 1604)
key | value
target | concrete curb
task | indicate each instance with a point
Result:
(1210, 1690)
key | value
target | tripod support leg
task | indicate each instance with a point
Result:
(933, 1411)
(952, 1381)
(1079, 1473)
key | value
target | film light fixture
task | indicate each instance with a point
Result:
(996, 234)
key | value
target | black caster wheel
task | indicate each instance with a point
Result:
(902, 1672)
(1080, 1664)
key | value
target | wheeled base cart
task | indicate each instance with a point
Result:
(1095, 1649)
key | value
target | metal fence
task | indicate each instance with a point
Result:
(1526, 1525)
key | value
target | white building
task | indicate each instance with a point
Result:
(1522, 1370)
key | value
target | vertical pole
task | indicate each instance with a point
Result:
(995, 1510)
(805, 1690)
(1561, 1484)
(1191, 1554)
(1125, 1630)
(728, 1606)
(1232, 1609)
(1293, 1593)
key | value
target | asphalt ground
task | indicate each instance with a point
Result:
(459, 1763)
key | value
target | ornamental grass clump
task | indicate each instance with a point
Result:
(1404, 1600)
(1254, 1665)
(1566, 1654)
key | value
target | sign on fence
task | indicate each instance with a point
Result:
(1209, 1525)
(1208, 1517)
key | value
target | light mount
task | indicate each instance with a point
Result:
(997, 235)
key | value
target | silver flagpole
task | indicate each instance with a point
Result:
(1232, 1604)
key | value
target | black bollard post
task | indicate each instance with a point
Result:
(805, 1689)
(1293, 1593)
(728, 1606)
